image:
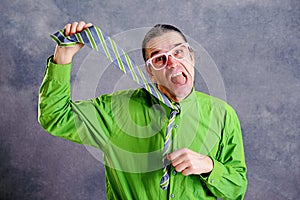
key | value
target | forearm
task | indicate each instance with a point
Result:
(54, 110)
(228, 178)
(75, 121)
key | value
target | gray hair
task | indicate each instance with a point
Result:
(158, 30)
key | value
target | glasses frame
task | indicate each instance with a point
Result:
(167, 54)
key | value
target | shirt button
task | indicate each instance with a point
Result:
(175, 126)
(174, 172)
(212, 181)
(172, 195)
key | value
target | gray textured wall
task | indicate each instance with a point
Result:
(254, 43)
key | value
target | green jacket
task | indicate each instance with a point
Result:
(129, 127)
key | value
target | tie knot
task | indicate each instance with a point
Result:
(177, 108)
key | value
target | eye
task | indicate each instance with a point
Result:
(159, 59)
(178, 51)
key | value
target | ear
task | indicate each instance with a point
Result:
(150, 73)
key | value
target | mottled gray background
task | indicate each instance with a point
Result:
(254, 43)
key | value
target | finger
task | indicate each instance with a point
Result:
(73, 28)
(187, 171)
(87, 25)
(177, 153)
(181, 167)
(67, 29)
(180, 159)
(80, 26)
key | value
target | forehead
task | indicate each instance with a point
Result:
(163, 42)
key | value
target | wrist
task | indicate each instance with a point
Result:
(61, 56)
(210, 164)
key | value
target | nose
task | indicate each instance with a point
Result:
(171, 61)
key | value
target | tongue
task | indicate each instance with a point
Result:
(178, 79)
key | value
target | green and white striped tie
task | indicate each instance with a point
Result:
(164, 183)
(99, 41)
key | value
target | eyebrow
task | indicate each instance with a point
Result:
(156, 52)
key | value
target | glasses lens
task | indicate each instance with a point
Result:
(159, 61)
(180, 52)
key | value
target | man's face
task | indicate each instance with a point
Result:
(176, 80)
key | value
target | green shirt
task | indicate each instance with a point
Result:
(129, 127)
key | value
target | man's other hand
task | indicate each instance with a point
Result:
(189, 162)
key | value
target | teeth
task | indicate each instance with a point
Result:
(177, 74)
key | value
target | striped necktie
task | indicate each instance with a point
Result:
(94, 38)
(164, 183)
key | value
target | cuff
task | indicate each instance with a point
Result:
(58, 72)
(215, 175)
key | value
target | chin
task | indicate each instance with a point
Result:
(176, 93)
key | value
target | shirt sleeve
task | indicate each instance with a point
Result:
(85, 122)
(228, 177)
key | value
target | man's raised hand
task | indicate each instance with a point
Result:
(65, 54)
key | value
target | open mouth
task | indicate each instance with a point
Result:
(179, 78)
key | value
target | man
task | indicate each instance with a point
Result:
(205, 152)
